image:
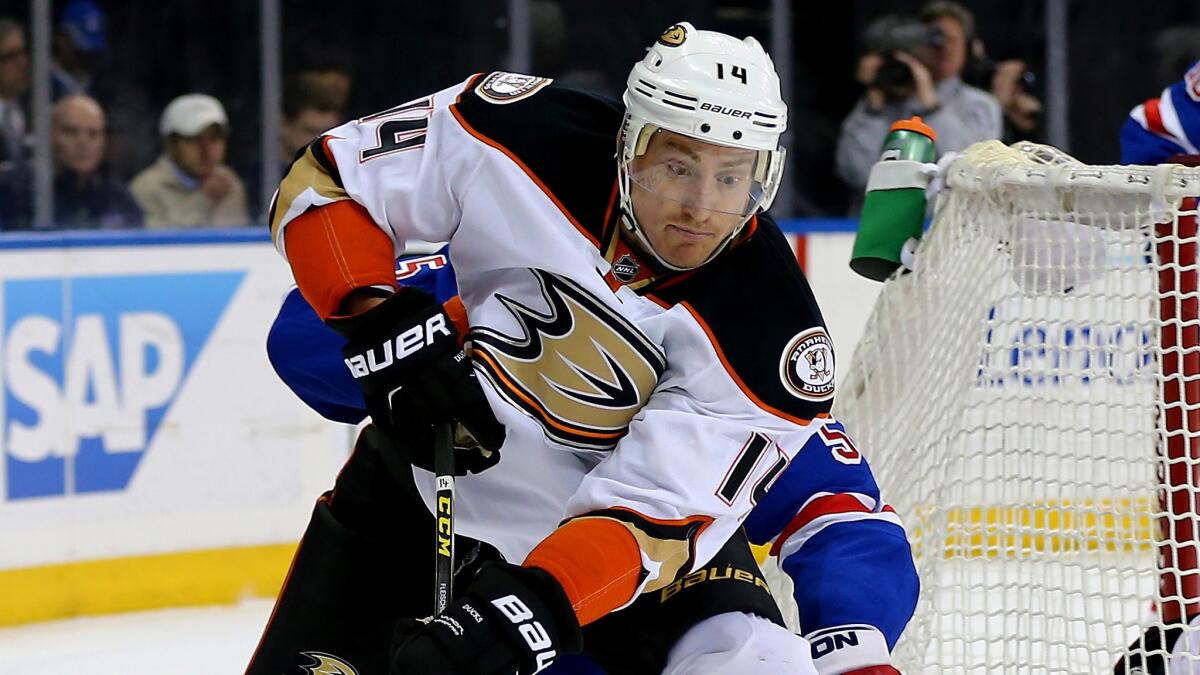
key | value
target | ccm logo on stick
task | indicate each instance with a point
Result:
(533, 632)
(378, 358)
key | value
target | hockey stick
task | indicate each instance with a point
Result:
(443, 466)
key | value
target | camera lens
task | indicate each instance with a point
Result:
(936, 37)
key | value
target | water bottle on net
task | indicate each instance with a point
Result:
(894, 209)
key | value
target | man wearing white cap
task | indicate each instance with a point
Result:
(189, 185)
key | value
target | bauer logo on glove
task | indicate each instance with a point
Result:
(381, 356)
(405, 355)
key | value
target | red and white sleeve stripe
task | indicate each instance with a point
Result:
(827, 508)
(1158, 116)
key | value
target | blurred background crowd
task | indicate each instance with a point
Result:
(182, 113)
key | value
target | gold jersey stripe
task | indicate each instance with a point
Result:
(304, 174)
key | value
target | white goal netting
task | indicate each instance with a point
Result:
(1029, 399)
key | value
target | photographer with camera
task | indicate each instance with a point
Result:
(1013, 84)
(914, 67)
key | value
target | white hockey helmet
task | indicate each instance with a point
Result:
(713, 88)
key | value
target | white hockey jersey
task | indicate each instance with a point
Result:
(666, 402)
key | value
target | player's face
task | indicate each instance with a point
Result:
(689, 195)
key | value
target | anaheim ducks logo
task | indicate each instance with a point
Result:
(673, 36)
(327, 665)
(582, 370)
(806, 367)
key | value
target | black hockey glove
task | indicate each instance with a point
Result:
(1150, 653)
(404, 353)
(511, 619)
(469, 454)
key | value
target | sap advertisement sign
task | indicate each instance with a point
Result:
(139, 412)
(93, 365)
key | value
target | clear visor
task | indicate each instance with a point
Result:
(698, 174)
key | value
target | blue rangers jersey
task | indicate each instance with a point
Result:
(1163, 127)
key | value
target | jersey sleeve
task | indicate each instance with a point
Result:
(307, 355)
(830, 528)
(401, 165)
(1164, 126)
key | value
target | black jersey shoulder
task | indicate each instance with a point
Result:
(565, 137)
(758, 308)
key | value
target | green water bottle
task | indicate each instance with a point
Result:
(894, 209)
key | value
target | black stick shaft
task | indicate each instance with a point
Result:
(443, 465)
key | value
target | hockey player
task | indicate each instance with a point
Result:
(1166, 130)
(811, 532)
(644, 404)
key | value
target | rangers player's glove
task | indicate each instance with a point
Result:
(511, 619)
(405, 354)
(851, 649)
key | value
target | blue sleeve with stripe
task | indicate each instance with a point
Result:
(307, 354)
(1140, 146)
(1164, 126)
(844, 549)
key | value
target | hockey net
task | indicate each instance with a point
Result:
(1029, 398)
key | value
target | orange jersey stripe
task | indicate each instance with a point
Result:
(458, 316)
(334, 249)
(597, 562)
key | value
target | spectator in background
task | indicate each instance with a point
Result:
(1011, 82)
(913, 68)
(79, 48)
(311, 106)
(14, 82)
(189, 185)
(304, 120)
(85, 196)
(318, 74)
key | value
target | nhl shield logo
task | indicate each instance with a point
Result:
(806, 367)
(626, 269)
